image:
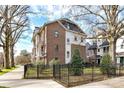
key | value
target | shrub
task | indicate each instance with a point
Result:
(22, 60)
(40, 62)
(77, 62)
(54, 62)
(106, 66)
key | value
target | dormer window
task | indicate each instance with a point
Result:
(68, 27)
(56, 34)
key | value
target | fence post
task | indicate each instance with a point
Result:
(59, 71)
(25, 70)
(119, 70)
(53, 71)
(92, 71)
(37, 71)
(68, 66)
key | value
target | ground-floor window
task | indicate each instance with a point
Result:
(98, 61)
(122, 60)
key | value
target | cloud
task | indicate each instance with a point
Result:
(44, 14)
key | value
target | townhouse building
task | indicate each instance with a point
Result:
(103, 47)
(57, 40)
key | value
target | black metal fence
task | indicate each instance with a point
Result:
(71, 75)
(32, 71)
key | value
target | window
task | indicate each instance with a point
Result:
(68, 27)
(41, 49)
(56, 48)
(81, 39)
(75, 38)
(122, 46)
(67, 54)
(104, 49)
(68, 40)
(98, 40)
(56, 58)
(122, 60)
(107, 49)
(98, 50)
(56, 34)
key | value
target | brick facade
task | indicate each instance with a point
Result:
(53, 41)
(82, 50)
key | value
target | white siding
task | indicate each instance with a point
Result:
(118, 45)
(118, 48)
(118, 60)
(70, 35)
(99, 42)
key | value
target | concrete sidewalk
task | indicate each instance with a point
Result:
(14, 80)
(110, 83)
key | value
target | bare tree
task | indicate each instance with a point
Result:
(18, 25)
(14, 23)
(109, 18)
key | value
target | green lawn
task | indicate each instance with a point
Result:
(7, 70)
(3, 87)
(89, 70)
(32, 72)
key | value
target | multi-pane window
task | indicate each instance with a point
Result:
(105, 49)
(68, 54)
(56, 34)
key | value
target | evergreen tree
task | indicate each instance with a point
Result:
(77, 63)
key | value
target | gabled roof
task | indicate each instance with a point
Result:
(105, 43)
(65, 27)
(92, 47)
(60, 21)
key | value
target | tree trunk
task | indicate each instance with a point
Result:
(112, 51)
(6, 56)
(12, 56)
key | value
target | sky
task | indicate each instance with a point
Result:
(44, 13)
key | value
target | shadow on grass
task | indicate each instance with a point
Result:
(3, 87)
(3, 71)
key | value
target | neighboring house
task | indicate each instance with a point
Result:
(120, 50)
(90, 52)
(58, 39)
(103, 47)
